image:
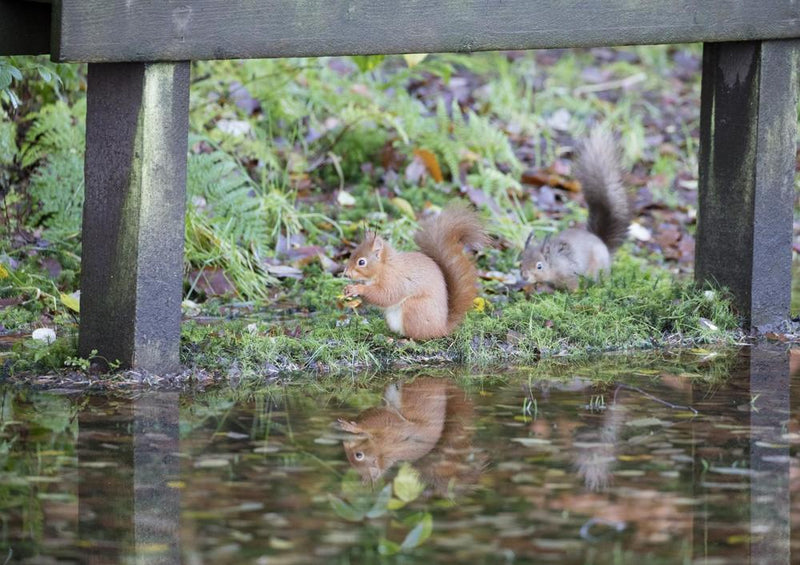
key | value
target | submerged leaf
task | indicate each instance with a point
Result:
(386, 547)
(344, 510)
(381, 503)
(407, 483)
(419, 533)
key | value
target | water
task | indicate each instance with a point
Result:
(692, 465)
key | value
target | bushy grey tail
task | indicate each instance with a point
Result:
(443, 239)
(598, 169)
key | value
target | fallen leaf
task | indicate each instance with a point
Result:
(414, 59)
(284, 271)
(72, 301)
(531, 441)
(505, 278)
(431, 163)
(236, 128)
(211, 281)
(639, 232)
(647, 422)
(346, 199)
(403, 205)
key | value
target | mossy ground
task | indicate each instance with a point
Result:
(636, 307)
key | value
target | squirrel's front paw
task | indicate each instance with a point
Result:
(352, 290)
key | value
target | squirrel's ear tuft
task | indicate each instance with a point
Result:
(546, 246)
(377, 244)
(530, 238)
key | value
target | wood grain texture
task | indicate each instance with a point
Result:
(24, 28)
(173, 30)
(748, 125)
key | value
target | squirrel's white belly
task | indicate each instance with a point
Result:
(394, 318)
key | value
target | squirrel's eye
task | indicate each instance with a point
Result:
(539, 266)
(362, 262)
(359, 455)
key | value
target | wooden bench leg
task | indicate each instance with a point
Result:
(747, 162)
(137, 127)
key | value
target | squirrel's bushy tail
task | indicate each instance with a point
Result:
(443, 239)
(598, 169)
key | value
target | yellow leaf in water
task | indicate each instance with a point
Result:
(403, 205)
(642, 457)
(71, 301)
(431, 163)
(407, 483)
(176, 484)
(280, 543)
(152, 547)
(414, 59)
(479, 303)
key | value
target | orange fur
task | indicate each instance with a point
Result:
(424, 294)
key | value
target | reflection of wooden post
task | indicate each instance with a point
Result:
(105, 481)
(156, 463)
(127, 510)
(770, 520)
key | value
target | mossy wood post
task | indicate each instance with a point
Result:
(137, 127)
(747, 165)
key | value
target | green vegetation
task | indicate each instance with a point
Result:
(290, 159)
(636, 308)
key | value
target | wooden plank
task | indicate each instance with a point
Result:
(24, 28)
(137, 128)
(174, 30)
(747, 165)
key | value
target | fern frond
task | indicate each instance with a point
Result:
(56, 128)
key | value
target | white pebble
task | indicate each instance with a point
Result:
(46, 335)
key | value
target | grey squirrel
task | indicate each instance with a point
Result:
(562, 259)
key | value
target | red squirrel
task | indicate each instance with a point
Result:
(562, 259)
(424, 294)
(428, 421)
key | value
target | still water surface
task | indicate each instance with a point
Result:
(692, 465)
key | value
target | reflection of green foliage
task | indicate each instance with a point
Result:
(359, 502)
(51, 429)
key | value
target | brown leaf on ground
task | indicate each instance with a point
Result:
(14, 301)
(667, 238)
(51, 265)
(391, 158)
(431, 163)
(547, 177)
(212, 281)
(415, 170)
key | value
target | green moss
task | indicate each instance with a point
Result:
(636, 307)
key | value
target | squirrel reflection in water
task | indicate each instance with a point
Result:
(428, 421)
